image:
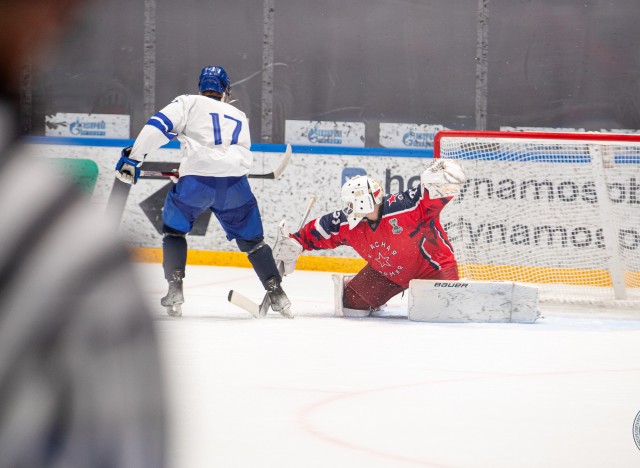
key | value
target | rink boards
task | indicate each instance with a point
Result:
(319, 171)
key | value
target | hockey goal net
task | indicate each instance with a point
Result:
(559, 210)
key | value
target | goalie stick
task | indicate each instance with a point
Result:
(260, 310)
(268, 175)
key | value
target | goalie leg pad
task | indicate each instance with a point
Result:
(472, 301)
(339, 284)
(366, 292)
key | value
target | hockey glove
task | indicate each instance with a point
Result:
(127, 169)
(443, 178)
(286, 249)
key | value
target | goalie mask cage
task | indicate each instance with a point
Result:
(558, 210)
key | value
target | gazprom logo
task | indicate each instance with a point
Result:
(319, 136)
(418, 139)
(83, 128)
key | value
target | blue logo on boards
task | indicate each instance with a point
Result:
(79, 127)
(326, 137)
(350, 173)
(418, 139)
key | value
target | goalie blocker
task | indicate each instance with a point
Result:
(472, 301)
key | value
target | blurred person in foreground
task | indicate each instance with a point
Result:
(80, 375)
(399, 235)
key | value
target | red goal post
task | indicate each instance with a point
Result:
(559, 210)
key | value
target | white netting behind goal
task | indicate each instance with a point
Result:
(561, 211)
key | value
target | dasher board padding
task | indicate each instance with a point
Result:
(472, 301)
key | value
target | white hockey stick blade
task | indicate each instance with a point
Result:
(245, 303)
(264, 307)
(255, 309)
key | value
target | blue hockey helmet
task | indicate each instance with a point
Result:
(214, 79)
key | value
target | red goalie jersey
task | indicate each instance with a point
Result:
(407, 241)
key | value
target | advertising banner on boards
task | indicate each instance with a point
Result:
(314, 132)
(506, 233)
(408, 135)
(87, 125)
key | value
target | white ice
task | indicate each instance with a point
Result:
(320, 391)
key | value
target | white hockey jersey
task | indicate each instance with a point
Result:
(214, 136)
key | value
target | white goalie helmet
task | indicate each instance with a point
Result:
(360, 195)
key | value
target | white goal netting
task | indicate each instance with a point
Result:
(561, 211)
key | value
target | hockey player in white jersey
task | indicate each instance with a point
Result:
(215, 146)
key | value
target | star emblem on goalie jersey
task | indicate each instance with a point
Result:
(384, 261)
(391, 199)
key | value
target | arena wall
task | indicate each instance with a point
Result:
(313, 170)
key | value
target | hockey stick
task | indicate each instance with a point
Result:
(260, 310)
(268, 175)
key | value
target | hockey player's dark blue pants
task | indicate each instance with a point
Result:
(229, 198)
(232, 202)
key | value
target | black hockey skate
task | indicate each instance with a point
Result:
(175, 297)
(279, 300)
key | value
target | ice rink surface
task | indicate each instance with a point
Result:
(319, 391)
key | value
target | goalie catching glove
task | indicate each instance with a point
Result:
(127, 169)
(286, 249)
(443, 178)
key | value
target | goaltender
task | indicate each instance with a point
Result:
(399, 235)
